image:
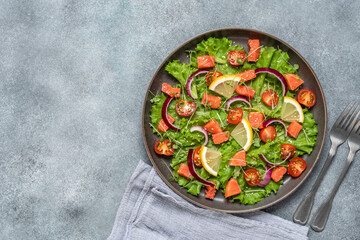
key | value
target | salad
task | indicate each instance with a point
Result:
(237, 121)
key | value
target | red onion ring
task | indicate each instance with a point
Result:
(165, 115)
(193, 172)
(276, 74)
(190, 80)
(271, 163)
(201, 129)
(272, 120)
(235, 99)
(267, 177)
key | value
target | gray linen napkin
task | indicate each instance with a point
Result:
(151, 210)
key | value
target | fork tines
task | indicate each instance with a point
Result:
(348, 122)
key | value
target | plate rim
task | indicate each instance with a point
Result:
(166, 181)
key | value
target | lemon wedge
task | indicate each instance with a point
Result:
(291, 111)
(225, 85)
(210, 159)
(243, 134)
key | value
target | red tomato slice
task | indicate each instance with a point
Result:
(252, 177)
(232, 188)
(296, 167)
(268, 133)
(164, 147)
(287, 151)
(185, 108)
(211, 76)
(196, 157)
(206, 61)
(270, 98)
(235, 115)
(306, 97)
(234, 57)
(256, 120)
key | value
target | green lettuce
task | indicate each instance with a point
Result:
(306, 139)
(280, 63)
(218, 47)
(253, 194)
(180, 71)
(193, 185)
(264, 60)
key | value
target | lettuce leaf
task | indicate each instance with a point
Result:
(306, 139)
(193, 185)
(218, 47)
(280, 63)
(180, 71)
(263, 61)
(155, 112)
(251, 195)
(227, 150)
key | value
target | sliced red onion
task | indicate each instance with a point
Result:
(201, 129)
(165, 115)
(272, 120)
(235, 99)
(271, 163)
(267, 177)
(191, 166)
(276, 74)
(190, 80)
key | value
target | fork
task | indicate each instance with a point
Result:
(320, 218)
(338, 134)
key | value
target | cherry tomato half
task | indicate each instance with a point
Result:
(306, 97)
(234, 57)
(235, 115)
(164, 147)
(196, 157)
(270, 98)
(287, 151)
(296, 166)
(252, 176)
(185, 108)
(268, 133)
(211, 76)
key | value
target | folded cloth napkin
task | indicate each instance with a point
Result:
(151, 210)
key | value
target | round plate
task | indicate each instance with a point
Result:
(240, 36)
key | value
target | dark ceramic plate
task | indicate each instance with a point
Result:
(241, 36)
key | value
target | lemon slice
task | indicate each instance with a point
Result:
(291, 110)
(225, 85)
(243, 134)
(210, 159)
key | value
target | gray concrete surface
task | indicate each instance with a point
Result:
(73, 77)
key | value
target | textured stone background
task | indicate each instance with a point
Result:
(73, 77)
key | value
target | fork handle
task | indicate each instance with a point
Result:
(320, 218)
(324, 169)
(303, 211)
